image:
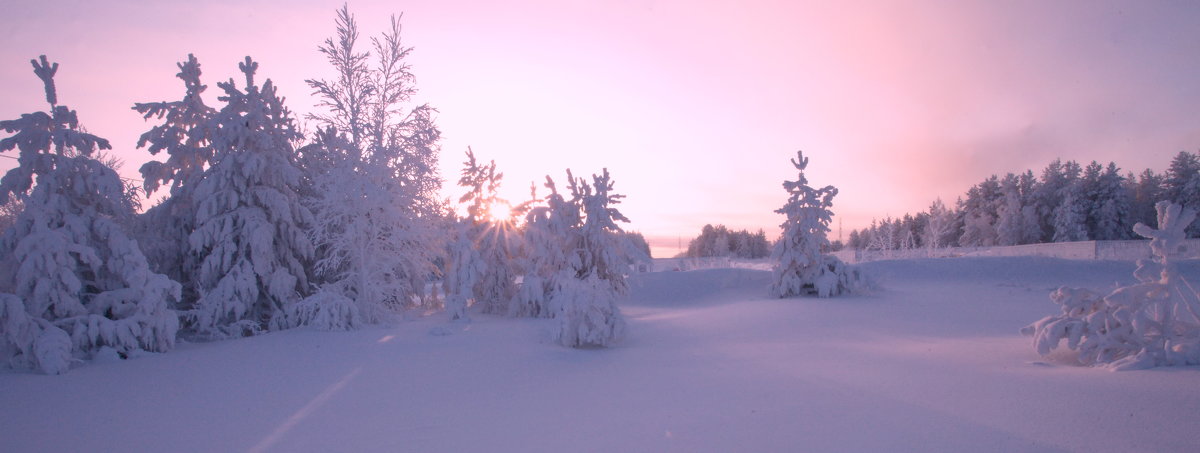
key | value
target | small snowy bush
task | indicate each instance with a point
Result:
(800, 268)
(325, 310)
(1153, 323)
(588, 313)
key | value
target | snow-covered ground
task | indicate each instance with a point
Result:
(932, 362)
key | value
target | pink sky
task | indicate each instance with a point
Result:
(695, 107)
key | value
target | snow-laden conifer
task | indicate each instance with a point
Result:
(463, 270)
(79, 283)
(550, 236)
(586, 302)
(1153, 323)
(185, 137)
(495, 239)
(799, 266)
(1070, 218)
(250, 235)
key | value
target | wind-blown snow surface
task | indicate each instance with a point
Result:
(933, 362)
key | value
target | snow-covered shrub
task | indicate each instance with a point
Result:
(1153, 323)
(250, 237)
(800, 268)
(325, 310)
(588, 314)
(79, 283)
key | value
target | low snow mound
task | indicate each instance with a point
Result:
(694, 288)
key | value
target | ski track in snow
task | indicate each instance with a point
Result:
(930, 362)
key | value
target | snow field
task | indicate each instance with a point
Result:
(932, 362)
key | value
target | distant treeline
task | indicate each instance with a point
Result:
(721, 241)
(1068, 202)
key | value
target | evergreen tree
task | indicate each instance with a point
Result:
(495, 239)
(1182, 181)
(1182, 184)
(1147, 190)
(587, 303)
(250, 235)
(185, 137)
(980, 211)
(800, 268)
(1069, 219)
(1110, 216)
(551, 237)
(78, 282)
(1010, 227)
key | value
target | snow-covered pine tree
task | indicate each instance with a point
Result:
(78, 282)
(495, 239)
(587, 301)
(184, 136)
(1145, 191)
(1069, 218)
(250, 237)
(464, 268)
(550, 239)
(1153, 323)
(980, 212)
(800, 268)
(1182, 184)
(1110, 213)
(1047, 197)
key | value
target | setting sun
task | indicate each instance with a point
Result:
(500, 212)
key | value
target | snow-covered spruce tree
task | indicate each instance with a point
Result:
(1153, 323)
(1070, 217)
(184, 136)
(495, 238)
(78, 283)
(250, 238)
(800, 268)
(551, 234)
(586, 301)
(464, 270)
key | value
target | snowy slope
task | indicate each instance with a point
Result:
(933, 362)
